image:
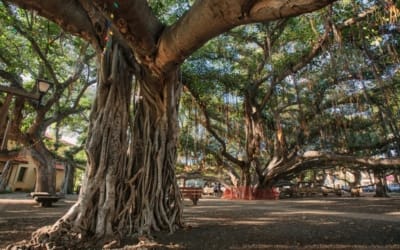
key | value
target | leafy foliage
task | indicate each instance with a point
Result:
(344, 100)
(33, 48)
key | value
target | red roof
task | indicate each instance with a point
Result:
(59, 166)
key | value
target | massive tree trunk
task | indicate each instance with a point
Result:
(126, 189)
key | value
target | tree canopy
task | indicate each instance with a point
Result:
(306, 92)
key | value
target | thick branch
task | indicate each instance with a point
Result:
(190, 32)
(136, 23)
(68, 14)
(14, 79)
(319, 158)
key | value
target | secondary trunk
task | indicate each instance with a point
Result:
(380, 187)
(254, 137)
(129, 185)
(245, 190)
(155, 138)
(5, 176)
(355, 185)
(45, 172)
(68, 183)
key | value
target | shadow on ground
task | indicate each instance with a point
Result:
(318, 223)
(310, 223)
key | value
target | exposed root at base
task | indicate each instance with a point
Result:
(46, 238)
(57, 237)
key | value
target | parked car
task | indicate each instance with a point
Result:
(307, 188)
(285, 188)
(285, 192)
(394, 187)
(369, 188)
(208, 190)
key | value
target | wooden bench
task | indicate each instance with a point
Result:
(191, 193)
(45, 199)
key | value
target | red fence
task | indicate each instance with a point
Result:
(249, 193)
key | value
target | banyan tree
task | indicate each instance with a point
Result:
(330, 99)
(129, 185)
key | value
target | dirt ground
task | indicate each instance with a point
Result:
(302, 223)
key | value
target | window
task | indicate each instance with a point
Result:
(21, 173)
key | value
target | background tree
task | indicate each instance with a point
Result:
(34, 48)
(293, 79)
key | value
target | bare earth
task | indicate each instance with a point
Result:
(308, 223)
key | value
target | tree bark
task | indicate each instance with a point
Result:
(155, 138)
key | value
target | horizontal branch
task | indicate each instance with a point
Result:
(68, 14)
(366, 161)
(19, 92)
